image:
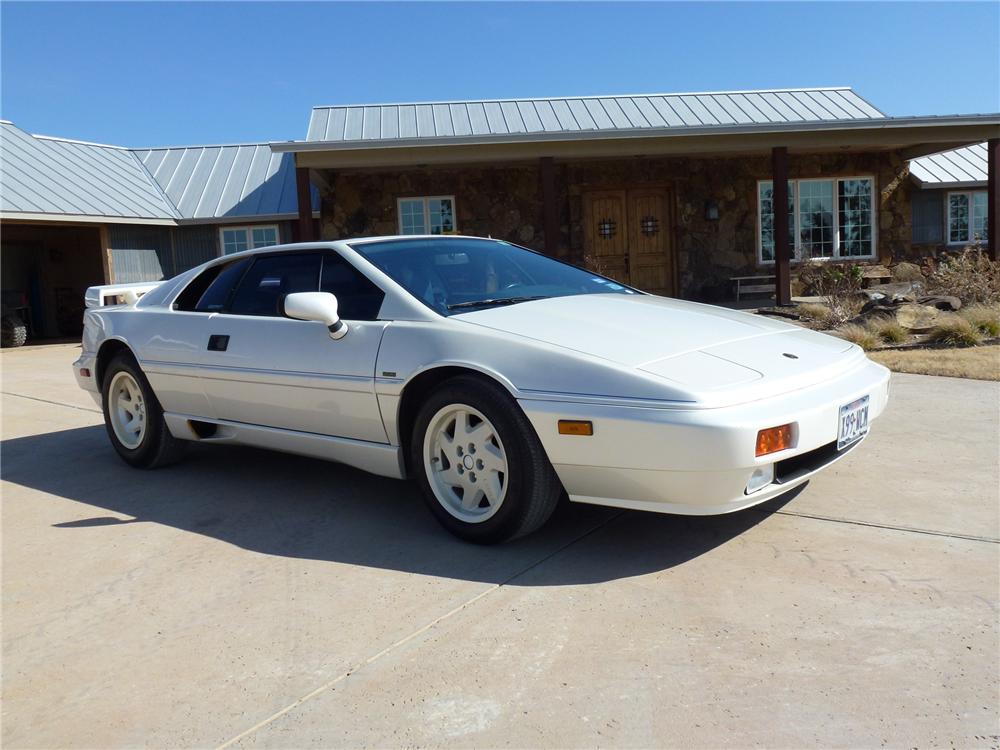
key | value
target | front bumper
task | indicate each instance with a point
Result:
(697, 461)
(87, 362)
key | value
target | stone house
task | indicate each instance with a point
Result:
(672, 193)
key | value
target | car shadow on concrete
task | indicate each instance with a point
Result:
(279, 504)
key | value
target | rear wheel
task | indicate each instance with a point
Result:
(482, 469)
(133, 417)
(13, 331)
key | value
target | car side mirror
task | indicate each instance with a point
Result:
(320, 306)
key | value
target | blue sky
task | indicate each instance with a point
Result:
(149, 74)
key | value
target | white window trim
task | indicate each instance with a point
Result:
(793, 188)
(247, 228)
(427, 210)
(947, 216)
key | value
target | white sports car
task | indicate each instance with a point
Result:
(495, 376)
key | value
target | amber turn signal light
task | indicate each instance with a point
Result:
(774, 439)
(570, 427)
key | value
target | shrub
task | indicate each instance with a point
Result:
(968, 274)
(888, 330)
(954, 330)
(985, 318)
(814, 311)
(840, 284)
(859, 335)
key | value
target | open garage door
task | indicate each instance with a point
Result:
(45, 271)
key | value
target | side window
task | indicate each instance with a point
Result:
(357, 297)
(263, 289)
(209, 291)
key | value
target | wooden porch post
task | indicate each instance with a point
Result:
(550, 213)
(782, 249)
(304, 198)
(993, 197)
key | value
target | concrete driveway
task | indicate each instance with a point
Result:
(252, 599)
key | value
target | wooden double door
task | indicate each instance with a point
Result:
(628, 236)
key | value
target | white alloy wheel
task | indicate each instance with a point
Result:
(127, 410)
(466, 463)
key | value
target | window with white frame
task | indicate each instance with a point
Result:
(967, 214)
(429, 215)
(826, 219)
(236, 239)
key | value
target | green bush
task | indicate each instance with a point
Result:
(955, 330)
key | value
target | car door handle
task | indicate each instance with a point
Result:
(218, 343)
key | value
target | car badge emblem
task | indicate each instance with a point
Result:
(790, 356)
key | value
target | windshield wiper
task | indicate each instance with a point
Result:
(493, 302)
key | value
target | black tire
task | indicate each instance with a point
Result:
(13, 331)
(157, 446)
(532, 487)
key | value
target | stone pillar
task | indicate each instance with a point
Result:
(550, 211)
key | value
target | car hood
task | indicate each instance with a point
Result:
(703, 348)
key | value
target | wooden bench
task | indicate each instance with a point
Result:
(752, 284)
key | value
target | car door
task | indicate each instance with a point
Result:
(169, 341)
(260, 367)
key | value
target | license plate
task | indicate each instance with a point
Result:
(853, 422)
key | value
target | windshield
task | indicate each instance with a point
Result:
(456, 275)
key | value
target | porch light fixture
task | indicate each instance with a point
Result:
(711, 210)
(649, 225)
(606, 228)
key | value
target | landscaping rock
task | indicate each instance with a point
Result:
(903, 291)
(942, 302)
(907, 272)
(917, 318)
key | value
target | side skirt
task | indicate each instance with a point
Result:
(376, 458)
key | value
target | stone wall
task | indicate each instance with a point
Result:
(505, 202)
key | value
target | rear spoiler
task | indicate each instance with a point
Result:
(117, 294)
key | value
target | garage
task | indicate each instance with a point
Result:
(46, 269)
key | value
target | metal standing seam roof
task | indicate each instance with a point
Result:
(45, 176)
(385, 123)
(222, 182)
(42, 175)
(960, 166)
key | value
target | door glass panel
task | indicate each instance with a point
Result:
(215, 296)
(263, 289)
(357, 297)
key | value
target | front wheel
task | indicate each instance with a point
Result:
(133, 417)
(482, 469)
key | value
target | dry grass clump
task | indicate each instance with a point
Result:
(888, 330)
(954, 330)
(814, 311)
(980, 362)
(985, 318)
(860, 335)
